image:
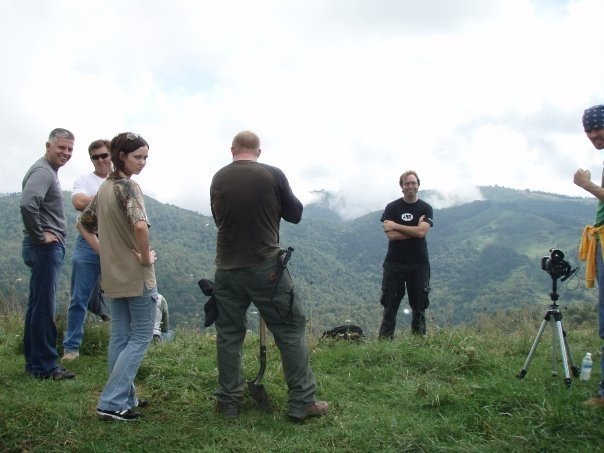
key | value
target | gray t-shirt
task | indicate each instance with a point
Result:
(42, 202)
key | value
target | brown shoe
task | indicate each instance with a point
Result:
(228, 410)
(596, 401)
(314, 409)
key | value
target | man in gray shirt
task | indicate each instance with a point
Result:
(43, 252)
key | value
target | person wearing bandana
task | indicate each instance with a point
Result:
(593, 124)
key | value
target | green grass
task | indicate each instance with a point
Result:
(454, 390)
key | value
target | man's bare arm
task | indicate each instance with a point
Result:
(418, 231)
(81, 200)
(396, 235)
(582, 178)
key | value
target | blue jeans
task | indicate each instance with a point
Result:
(40, 331)
(600, 270)
(132, 321)
(86, 268)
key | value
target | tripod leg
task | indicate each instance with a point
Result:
(527, 363)
(575, 371)
(563, 352)
(555, 342)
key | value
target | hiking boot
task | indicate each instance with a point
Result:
(228, 410)
(127, 415)
(314, 409)
(596, 401)
(70, 356)
(62, 373)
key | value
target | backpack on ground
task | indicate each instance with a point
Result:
(347, 332)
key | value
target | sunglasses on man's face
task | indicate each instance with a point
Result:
(100, 156)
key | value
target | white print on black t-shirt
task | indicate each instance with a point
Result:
(407, 217)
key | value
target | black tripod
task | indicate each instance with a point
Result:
(559, 336)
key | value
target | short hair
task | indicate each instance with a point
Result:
(407, 173)
(59, 132)
(246, 139)
(101, 143)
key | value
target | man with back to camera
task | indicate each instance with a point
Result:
(248, 201)
(593, 124)
(406, 222)
(43, 252)
(86, 265)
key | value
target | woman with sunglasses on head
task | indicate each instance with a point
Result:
(115, 225)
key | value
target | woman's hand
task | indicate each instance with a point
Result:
(148, 260)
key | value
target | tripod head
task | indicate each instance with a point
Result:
(554, 294)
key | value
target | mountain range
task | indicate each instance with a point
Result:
(486, 257)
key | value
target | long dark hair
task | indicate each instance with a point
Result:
(125, 142)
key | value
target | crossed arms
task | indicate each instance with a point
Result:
(397, 232)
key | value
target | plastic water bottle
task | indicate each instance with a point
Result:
(586, 366)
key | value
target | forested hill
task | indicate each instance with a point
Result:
(485, 255)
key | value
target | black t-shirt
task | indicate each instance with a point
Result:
(248, 201)
(412, 250)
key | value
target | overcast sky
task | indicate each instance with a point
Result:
(344, 94)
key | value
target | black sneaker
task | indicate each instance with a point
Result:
(127, 415)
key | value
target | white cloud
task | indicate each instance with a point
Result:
(345, 95)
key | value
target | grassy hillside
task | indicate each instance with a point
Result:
(454, 390)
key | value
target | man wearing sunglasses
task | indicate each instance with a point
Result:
(86, 266)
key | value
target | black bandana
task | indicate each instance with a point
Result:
(593, 118)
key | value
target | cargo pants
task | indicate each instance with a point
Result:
(234, 290)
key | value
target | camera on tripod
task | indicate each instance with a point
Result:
(555, 265)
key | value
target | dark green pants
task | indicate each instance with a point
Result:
(234, 290)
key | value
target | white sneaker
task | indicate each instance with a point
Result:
(70, 356)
